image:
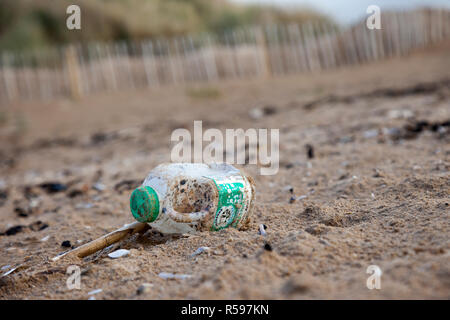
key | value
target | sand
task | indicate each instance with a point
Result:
(377, 188)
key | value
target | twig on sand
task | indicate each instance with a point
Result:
(104, 241)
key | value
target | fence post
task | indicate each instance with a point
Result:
(73, 69)
(292, 39)
(210, 58)
(261, 41)
(171, 57)
(149, 64)
(9, 77)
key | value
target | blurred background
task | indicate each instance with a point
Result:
(27, 24)
(146, 44)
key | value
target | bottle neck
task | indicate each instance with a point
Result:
(144, 204)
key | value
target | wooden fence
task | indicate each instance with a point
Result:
(76, 71)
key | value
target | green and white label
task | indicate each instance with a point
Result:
(234, 200)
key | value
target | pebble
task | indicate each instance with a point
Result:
(119, 253)
(45, 238)
(309, 151)
(66, 244)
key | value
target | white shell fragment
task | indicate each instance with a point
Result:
(119, 253)
(9, 272)
(168, 275)
(200, 250)
(262, 230)
(90, 293)
(99, 186)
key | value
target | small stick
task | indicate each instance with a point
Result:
(104, 241)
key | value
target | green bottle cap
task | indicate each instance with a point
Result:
(144, 204)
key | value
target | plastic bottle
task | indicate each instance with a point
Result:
(189, 197)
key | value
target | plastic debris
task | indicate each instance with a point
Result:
(119, 253)
(218, 190)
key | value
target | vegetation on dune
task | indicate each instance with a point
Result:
(26, 24)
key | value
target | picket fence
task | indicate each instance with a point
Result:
(75, 71)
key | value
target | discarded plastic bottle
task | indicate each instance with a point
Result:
(189, 197)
